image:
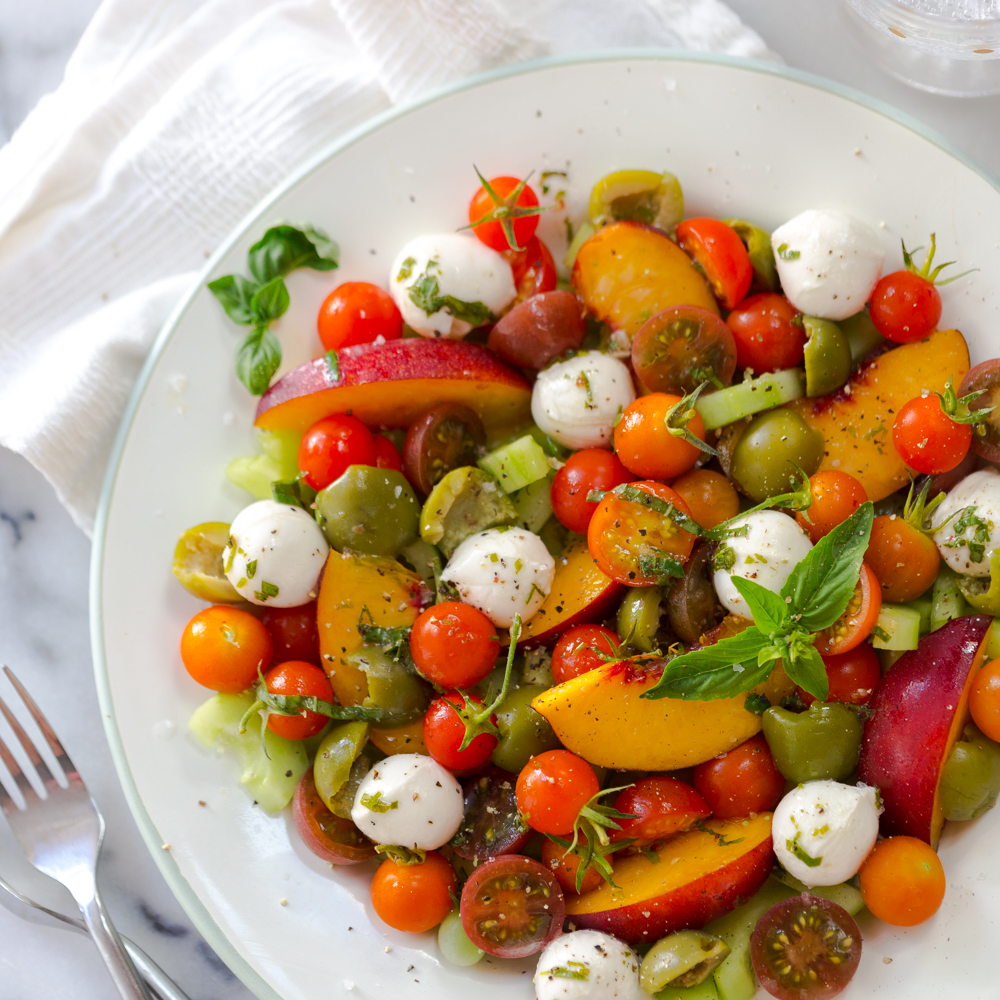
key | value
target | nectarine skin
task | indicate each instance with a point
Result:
(919, 708)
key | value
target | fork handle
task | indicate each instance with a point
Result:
(109, 944)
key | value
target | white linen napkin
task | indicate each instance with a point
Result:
(174, 118)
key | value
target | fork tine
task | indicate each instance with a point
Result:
(17, 774)
(58, 751)
(29, 747)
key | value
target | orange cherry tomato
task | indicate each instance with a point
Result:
(710, 497)
(853, 676)
(742, 781)
(721, 255)
(856, 623)
(646, 446)
(358, 313)
(835, 497)
(902, 881)
(296, 677)
(491, 232)
(223, 648)
(414, 897)
(984, 700)
(565, 866)
(904, 559)
(551, 790)
(583, 648)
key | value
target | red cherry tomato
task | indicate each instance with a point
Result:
(586, 470)
(293, 633)
(358, 313)
(905, 307)
(927, 439)
(579, 649)
(740, 782)
(661, 806)
(387, 455)
(533, 267)
(454, 645)
(414, 897)
(721, 255)
(551, 790)
(856, 623)
(835, 497)
(223, 648)
(852, 676)
(444, 732)
(331, 445)
(491, 824)
(491, 232)
(564, 866)
(329, 837)
(767, 336)
(298, 677)
(646, 445)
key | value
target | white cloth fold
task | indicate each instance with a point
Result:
(174, 118)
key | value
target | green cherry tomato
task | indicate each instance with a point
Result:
(761, 254)
(639, 617)
(335, 757)
(820, 743)
(523, 732)
(970, 779)
(683, 959)
(764, 460)
(827, 356)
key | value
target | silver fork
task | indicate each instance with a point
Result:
(61, 836)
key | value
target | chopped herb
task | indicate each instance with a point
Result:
(518, 565)
(494, 557)
(332, 366)
(535, 587)
(651, 856)
(968, 518)
(785, 254)
(375, 803)
(546, 174)
(796, 848)
(881, 633)
(266, 590)
(426, 295)
(660, 568)
(725, 558)
(571, 970)
(757, 703)
(406, 268)
(583, 379)
(720, 840)
(251, 569)
(404, 856)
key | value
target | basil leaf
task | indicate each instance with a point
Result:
(294, 492)
(426, 295)
(806, 667)
(257, 359)
(769, 611)
(661, 568)
(284, 248)
(821, 585)
(269, 301)
(235, 293)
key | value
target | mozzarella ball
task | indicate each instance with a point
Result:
(982, 491)
(578, 402)
(463, 267)
(409, 800)
(828, 822)
(503, 572)
(767, 554)
(608, 969)
(828, 262)
(275, 554)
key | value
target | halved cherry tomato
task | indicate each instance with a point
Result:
(330, 445)
(358, 313)
(328, 836)
(710, 497)
(902, 881)
(927, 439)
(491, 825)
(985, 377)
(444, 438)
(223, 648)
(768, 332)
(856, 623)
(444, 731)
(295, 677)
(583, 648)
(635, 545)
(586, 470)
(644, 443)
(853, 676)
(414, 897)
(551, 790)
(491, 232)
(565, 866)
(904, 559)
(984, 700)
(512, 907)
(294, 634)
(742, 781)
(905, 307)
(721, 255)
(533, 267)
(454, 645)
(661, 806)
(387, 455)
(835, 497)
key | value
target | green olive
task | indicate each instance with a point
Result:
(761, 254)
(523, 732)
(827, 356)
(639, 617)
(820, 743)
(390, 686)
(683, 959)
(369, 510)
(861, 334)
(335, 757)
(467, 500)
(639, 195)
(198, 563)
(764, 460)
(970, 779)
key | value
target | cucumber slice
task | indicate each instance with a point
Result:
(922, 606)
(738, 401)
(278, 462)
(844, 894)
(271, 778)
(283, 448)
(583, 233)
(947, 601)
(534, 504)
(516, 465)
(901, 625)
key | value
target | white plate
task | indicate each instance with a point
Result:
(745, 140)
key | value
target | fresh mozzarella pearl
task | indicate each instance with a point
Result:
(503, 572)
(825, 820)
(578, 401)
(611, 967)
(839, 260)
(464, 267)
(767, 554)
(420, 801)
(275, 554)
(982, 491)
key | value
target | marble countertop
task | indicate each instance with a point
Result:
(44, 558)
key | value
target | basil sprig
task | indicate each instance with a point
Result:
(812, 599)
(258, 301)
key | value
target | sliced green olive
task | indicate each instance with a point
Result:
(198, 563)
(639, 617)
(683, 959)
(467, 500)
(391, 686)
(639, 196)
(827, 356)
(335, 757)
(818, 744)
(767, 453)
(523, 732)
(761, 254)
(970, 779)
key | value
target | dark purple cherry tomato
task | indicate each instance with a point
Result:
(328, 836)
(692, 604)
(985, 375)
(539, 329)
(441, 440)
(492, 825)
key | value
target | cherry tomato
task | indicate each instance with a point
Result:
(223, 648)
(551, 790)
(644, 443)
(491, 232)
(533, 267)
(414, 897)
(805, 948)
(512, 907)
(454, 645)
(902, 881)
(856, 623)
(710, 497)
(904, 559)
(986, 377)
(331, 445)
(491, 825)
(661, 806)
(692, 604)
(298, 677)
(984, 700)
(678, 349)
(927, 439)
(853, 676)
(444, 438)
(328, 836)
(358, 313)
(630, 541)
(444, 731)
(742, 781)
(294, 634)
(905, 307)
(586, 470)
(564, 866)
(387, 454)
(835, 497)
(539, 329)
(722, 257)
(768, 333)
(579, 649)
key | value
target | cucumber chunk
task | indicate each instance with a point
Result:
(922, 606)
(278, 462)
(947, 601)
(534, 504)
(763, 393)
(516, 465)
(844, 894)
(901, 625)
